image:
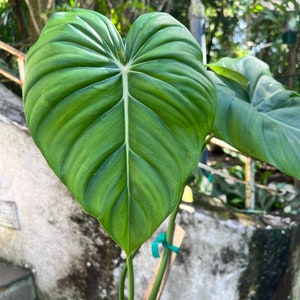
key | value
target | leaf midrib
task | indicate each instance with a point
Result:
(124, 71)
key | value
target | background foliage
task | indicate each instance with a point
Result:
(233, 27)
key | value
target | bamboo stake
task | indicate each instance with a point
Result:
(12, 50)
(21, 64)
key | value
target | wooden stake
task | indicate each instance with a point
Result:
(177, 240)
(250, 183)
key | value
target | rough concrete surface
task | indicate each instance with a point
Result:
(210, 261)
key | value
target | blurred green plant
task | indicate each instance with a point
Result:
(227, 185)
(8, 27)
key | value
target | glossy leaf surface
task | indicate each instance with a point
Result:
(121, 124)
(261, 119)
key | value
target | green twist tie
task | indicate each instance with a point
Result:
(209, 178)
(162, 239)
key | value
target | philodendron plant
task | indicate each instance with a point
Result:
(256, 114)
(123, 123)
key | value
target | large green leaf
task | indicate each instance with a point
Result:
(121, 124)
(261, 119)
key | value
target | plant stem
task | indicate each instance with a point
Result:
(123, 277)
(207, 140)
(122, 282)
(129, 263)
(163, 268)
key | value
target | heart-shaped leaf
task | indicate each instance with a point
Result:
(121, 124)
(262, 119)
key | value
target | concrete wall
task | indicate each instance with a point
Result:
(226, 256)
(223, 255)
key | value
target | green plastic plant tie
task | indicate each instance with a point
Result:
(209, 178)
(162, 239)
